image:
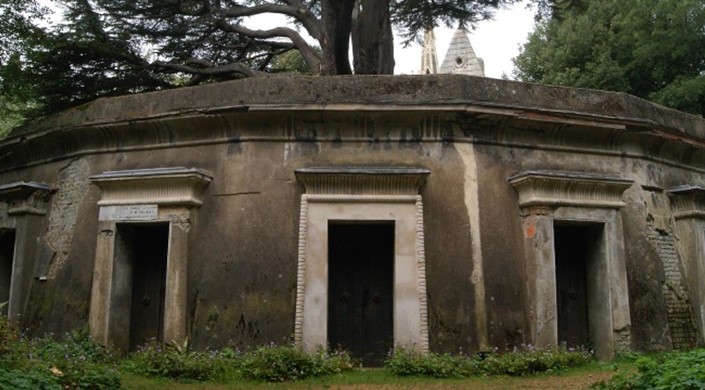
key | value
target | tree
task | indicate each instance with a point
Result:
(20, 34)
(46, 70)
(191, 33)
(111, 47)
(654, 49)
(290, 62)
(557, 9)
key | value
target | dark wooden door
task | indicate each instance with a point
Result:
(571, 285)
(149, 257)
(360, 290)
(7, 255)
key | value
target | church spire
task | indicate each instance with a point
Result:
(429, 60)
(461, 58)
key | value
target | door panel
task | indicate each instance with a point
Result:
(571, 285)
(360, 289)
(7, 254)
(149, 257)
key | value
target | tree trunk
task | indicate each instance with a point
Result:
(336, 18)
(372, 39)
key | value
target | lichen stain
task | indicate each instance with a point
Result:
(529, 229)
(251, 328)
(211, 322)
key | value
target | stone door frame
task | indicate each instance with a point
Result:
(27, 204)
(144, 196)
(547, 197)
(361, 194)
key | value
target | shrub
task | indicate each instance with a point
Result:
(274, 364)
(521, 361)
(44, 363)
(175, 362)
(77, 362)
(678, 370)
(408, 362)
(88, 376)
(8, 336)
(526, 360)
(75, 348)
(278, 364)
(31, 380)
(13, 348)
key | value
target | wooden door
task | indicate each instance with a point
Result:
(571, 284)
(360, 289)
(149, 259)
(7, 255)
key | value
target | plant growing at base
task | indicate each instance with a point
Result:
(279, 364)
(524, 360)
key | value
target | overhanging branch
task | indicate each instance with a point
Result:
(206, 68)
(310, 56)
(295, 9)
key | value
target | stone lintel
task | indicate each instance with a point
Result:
(560, 188)
(162, 186)
(25, 197)
(362, 180)
(688, 201)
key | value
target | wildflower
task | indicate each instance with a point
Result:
(54, 370)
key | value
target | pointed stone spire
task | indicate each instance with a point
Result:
(461, 58)
(429, 60)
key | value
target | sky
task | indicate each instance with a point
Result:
(496, 41)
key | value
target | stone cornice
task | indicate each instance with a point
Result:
(369, 92)
(287, 109)
(362, 180)
(557, 188)
(162, 186)
(688, 201)
(25, 197)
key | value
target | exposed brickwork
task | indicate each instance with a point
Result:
(680, 318)
(73, 185)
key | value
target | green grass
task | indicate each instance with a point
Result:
(361, 379)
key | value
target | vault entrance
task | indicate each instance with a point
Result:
(579, 251)
(360, 289)
(7, 255)
(144, 224)
(575, 262)
(371, 262)
(140, 273)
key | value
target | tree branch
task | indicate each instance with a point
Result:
(206, 68)
(310, 56)
(295, 9)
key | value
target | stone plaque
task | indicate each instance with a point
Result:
(137, 212)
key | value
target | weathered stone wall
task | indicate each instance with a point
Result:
(471, 134)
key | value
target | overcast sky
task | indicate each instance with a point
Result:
(496, 42)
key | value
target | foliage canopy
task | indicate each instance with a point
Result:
(654, 49)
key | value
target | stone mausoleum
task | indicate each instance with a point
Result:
(440, 212)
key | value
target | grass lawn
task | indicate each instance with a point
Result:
(577, 378)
